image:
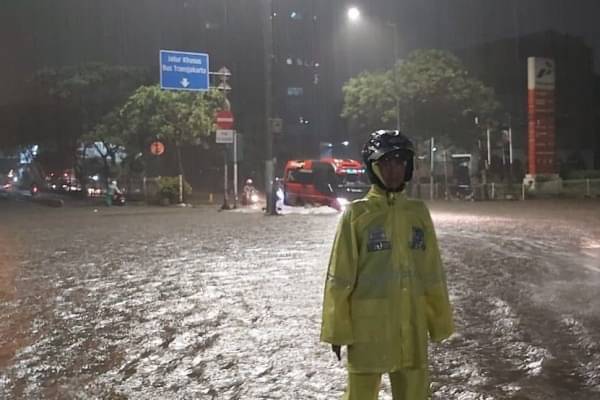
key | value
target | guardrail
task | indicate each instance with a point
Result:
(572, 188)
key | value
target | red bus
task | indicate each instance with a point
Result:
(331, 182)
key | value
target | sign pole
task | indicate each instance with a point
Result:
(225, 205)
(225, 133)
(235, 169)
(180, 189)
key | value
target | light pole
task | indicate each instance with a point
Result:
(432, 150)
(394, 27)
(510, 150)
(268, 50)
(354, 16)
(488, 158)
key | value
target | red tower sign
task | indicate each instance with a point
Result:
(541, 110)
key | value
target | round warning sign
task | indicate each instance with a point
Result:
(157, 148)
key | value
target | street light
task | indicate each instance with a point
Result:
(354, 16)
(268, 15)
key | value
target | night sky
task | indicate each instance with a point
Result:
(37, 33)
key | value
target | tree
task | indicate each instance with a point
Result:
(369, 100)
(108, 139)
(177, 117)
(437, 97)
(82, 95)
(93, 88)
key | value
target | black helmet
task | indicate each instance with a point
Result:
(383, 142)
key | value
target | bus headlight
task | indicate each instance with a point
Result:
(343, 202)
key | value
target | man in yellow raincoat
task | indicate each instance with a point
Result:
(385, 293)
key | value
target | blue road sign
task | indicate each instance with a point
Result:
(181, 70)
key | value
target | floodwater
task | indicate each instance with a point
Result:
(191, 303)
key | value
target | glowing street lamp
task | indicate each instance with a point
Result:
(353, 14)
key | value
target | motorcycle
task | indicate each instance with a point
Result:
(118, 199)
(250, 196)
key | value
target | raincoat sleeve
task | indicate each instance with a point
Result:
(437, 304)
(336, 327)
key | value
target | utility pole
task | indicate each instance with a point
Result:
(268, 50)
(431, 167)
(488, 162)
(445, 174)
(235, 169)
(510, 151)
(225, 205)
(483, 163)
(489, 149)
(394, 27)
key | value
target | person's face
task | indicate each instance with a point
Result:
(392, 171)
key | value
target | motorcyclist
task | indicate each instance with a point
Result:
(385, 292)
(278, 194)
(248, 191)
(34, 189)
(112, 191)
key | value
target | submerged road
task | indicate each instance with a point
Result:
(147, 303)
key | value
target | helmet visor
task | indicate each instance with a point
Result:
(391, 153)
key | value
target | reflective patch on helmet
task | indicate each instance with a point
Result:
(378, 240)
(418, 239)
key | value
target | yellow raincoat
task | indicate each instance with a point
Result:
(386, 289)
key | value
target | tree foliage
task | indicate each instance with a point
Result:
(369, 99)
(435, 92)
(178, 118)
(108, 140)
(76, 98)
(91, 90)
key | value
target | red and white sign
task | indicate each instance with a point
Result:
(225, 136)
(224, 119)
(541, 83)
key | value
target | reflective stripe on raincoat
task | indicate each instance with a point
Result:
(385, 289)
